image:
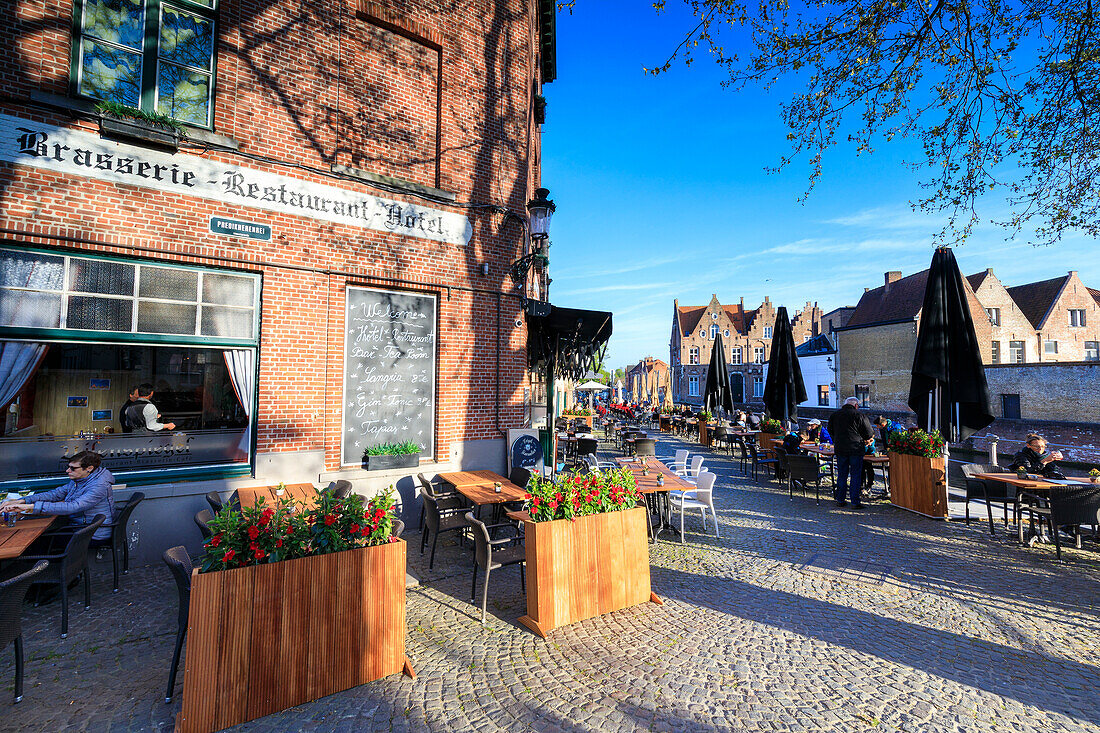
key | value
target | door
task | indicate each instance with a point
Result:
(1010, 406)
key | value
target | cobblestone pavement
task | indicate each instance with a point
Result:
(801, 617)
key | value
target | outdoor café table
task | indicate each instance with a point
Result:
(14, 541)
(305, 493)
(483, 493)
(1035, 484)
(648, 485)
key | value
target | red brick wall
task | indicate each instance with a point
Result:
(289, 91)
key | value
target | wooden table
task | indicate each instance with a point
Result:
(1037, 484)
(14, 541)
(481, 493)
(304, 493)
(648, 485)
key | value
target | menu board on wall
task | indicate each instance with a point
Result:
(389, 371)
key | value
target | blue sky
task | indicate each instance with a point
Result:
(662, 193)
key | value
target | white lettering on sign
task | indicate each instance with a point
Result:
(60, 149)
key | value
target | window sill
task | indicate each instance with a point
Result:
(73, 104)
(399, 184)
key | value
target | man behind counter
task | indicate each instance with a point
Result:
(143, 415)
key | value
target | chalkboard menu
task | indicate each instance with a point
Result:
(389, 371)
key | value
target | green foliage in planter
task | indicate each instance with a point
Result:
(578, 412)
(772, 426)
(393, 449)
(915, 442)
(572, 496)
(705, 416)
(121, 111)
(266, 533)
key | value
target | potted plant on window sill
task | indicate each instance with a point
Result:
(391, 455)
(918, 476)
(126, 124)
(293, 602)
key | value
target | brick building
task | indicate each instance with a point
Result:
(312, 257)
(875, 348)
(1065, 319)
(747, 334)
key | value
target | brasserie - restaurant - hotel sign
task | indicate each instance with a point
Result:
(63, 150)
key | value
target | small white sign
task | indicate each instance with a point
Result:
(75, 152)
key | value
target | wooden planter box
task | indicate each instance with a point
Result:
(764, 442)
(387, 462)
(578, 570)
(586, 418)
(919, 484)
(666, 423)
(704, 433)
(265, 638)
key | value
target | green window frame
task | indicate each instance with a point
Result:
(153, 56)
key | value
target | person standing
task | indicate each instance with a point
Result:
(143, 414)
(123, 415)
(851, 432)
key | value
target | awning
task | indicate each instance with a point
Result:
(570, 339)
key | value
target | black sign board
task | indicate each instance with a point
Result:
(236, 228)
(389, 371)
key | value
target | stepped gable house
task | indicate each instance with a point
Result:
(652, 373)
(296, 221)
(1065, 318)
(747, 335)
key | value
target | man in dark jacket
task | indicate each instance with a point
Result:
(851, 432)
(1035, 459)
(124, 416)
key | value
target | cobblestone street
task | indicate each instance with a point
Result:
(801, 617)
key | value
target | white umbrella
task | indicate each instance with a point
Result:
(592, 387)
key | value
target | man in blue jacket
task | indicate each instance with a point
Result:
(87, 494)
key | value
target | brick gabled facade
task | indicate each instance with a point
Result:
(1064, 315)
(746, 335)
(1012, 335)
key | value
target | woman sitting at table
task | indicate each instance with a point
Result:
(1035, 459)
(87, 494)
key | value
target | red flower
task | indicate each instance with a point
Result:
(215, 540)
(329, 519)
(554, 504)
(253, 532)
(355, 529)
(266, 516)
(278, 543)
(259, 554)
(229, 555)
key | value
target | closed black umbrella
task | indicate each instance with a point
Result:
(717, 395)
(784, 389)
(948, 391)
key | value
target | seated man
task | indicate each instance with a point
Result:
(818, 432)
(87, 494)
(1035, 459)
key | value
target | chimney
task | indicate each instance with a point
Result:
(893, 276)
(866, 289)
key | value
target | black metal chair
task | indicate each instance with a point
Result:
(435, 522)
(68, 566)
(447, 500)
(12, 593)
(757, 462)
(720, 437)
(803, 470)
(519, 476)
(118, 536)
(214, 499)
(586, 447)
(490, 554)
(989, 491)
(1070, 506)
(179, 562)
(202, 520)
(743, 459)
(339, 489)
(397, 529)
